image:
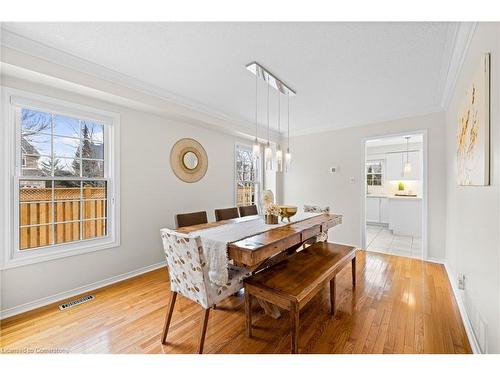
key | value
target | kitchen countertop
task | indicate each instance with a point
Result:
(392, 197)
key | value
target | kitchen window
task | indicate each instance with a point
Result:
(374, 173)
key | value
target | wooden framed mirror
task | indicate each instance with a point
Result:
(188, 160)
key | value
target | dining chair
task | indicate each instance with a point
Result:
(188, 272)
(248, 210)
(192, 218)
(226, 213)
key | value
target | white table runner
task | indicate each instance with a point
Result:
(216, 239)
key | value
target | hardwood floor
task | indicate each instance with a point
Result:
(400, 305)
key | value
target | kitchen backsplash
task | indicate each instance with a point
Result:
(391, 188)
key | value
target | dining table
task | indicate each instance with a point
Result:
(269, 244)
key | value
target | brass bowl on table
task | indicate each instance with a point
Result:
(287, 212)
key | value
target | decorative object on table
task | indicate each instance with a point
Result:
(271, 212)
(316, 209)
(286, 212)
(267, 197)
(188, 160)
(473, 153)
(401, 186)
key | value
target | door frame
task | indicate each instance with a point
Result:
(425, 187)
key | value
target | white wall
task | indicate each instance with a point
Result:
(150, 196)
(310, 182)
(472, 240)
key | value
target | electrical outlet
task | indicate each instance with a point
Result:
(334, 169)
(352, 180)
(461, 281)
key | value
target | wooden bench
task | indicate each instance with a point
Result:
(292, 283)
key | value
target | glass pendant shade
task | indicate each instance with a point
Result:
(268, 156)
(288, 160)
(407, 168)
(279, 159)
(256, 149)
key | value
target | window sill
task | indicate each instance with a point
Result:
(57, 252)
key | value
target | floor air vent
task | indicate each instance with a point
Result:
(76, 302)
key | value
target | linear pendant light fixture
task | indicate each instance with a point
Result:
(272, 81)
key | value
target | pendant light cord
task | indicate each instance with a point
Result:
(268, 112)
(279, 113)
(256, 103)
(288, 120)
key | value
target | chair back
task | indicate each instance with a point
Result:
(187, 267)
(226, 213)
(248, 210)
(192, 218)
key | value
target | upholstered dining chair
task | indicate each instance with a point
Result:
(188, 272)
(192, 218)
(226, 213)
(248, 210)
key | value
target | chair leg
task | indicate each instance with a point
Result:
(168, 318)
(353, 266)
(204, 321)
(248, 313)
(332, 296)
(294, 326)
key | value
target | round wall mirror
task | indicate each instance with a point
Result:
(190, 160)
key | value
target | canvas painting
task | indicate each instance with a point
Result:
(473, 139)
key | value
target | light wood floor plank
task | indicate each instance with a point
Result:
(400, 305)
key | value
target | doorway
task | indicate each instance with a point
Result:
(394, 197)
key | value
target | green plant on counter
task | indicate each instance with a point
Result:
(401, 186)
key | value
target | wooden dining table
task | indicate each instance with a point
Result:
(262, 250)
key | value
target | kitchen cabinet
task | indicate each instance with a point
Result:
(405, 216)
(372, 209)
(377, 210)
(395, 161)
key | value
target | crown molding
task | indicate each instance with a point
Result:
(378, 120)
(42, 60)
(460, 39)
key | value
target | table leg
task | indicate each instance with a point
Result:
(269, 308)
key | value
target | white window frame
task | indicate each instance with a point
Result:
(260, 173)
(10, 161)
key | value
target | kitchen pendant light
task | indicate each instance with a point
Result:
(256, 145)
(288, 156)
(279, 153)
(407, 165)
(268, 152)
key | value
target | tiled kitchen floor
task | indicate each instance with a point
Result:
(381, 239)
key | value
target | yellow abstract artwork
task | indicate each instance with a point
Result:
(474, 130)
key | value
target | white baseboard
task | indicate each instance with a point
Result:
(463, 312)
(436, 260)
(73, 292)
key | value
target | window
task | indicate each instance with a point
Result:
(248, 174)
(65, 179)
(374, 173)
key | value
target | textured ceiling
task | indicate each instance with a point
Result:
(345, 74)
